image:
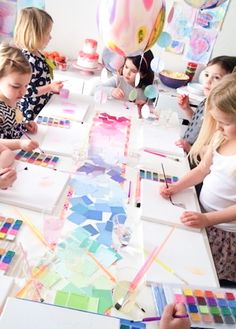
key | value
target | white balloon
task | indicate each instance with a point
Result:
(104, 75)
(137, 79)
(145, 111)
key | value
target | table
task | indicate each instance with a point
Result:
(133, 255)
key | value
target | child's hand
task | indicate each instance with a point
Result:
(194, 219)
(56, 86)
(118, 93)
(168, 320)
(7, 177)
(166, 192)
(28, 145)
(183, 144)
(31, 127)
(183, 101)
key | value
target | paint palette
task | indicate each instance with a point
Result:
(37, 158)
(6, 257)
(9, 227)
(127, 324)
(151, 175)
(54, 122)
(207, 308)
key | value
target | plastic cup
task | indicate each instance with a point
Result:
(122, 233)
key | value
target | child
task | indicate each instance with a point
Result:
(168, 319)
(7, 177)
(120, 87)
(217, 170)
(8, 145)
(15, 74)
(214, 71)
(32, 34)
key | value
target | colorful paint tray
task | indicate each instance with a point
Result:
(206, 307)
(54, 122)
(6, 257)
(158, 177)
(9, 228)
(40, 159)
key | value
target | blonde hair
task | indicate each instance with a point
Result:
(31, 25)
(12, 60)
(222, 97)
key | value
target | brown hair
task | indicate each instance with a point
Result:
(12, 60)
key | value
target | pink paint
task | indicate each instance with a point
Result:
(69, 111)
(147, 4)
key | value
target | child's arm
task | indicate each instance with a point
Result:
(53, 87)
(15, 144)
(108, 87)
(186, 146)
(6, 157)
(201, 220)
(7, 177)
(183, 101)
(193, 177)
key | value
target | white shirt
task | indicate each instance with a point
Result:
(219, 187)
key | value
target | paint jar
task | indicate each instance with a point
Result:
(64, 93)
(190, 70)
(121, 233)
(52, 227)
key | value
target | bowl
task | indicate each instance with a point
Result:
(195, 88)
(173, 79)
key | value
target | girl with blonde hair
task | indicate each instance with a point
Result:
(32, 34)
(217, 170)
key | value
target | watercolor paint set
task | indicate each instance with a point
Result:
(206, 307)
(9, 228)
(158, 177)
(53, 122)
(127, 324)
(37, 158)
(6, 258)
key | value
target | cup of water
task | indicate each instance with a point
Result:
(122, 233)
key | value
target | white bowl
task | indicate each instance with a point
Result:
(195, 88)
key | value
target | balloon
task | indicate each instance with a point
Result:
(137, 79)
(157, 64)
(104, 75)
(145, 111)
(130, 27)
(164, 40)
(133, 95)
(151, 91)
(111, 60)
(203, 4)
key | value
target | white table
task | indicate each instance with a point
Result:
(174, 254)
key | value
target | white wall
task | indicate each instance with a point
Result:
(75, 20)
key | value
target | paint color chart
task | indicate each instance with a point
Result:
(37, 158)
(6, 257)
(9, 227)
(207, 308)
(54, 122)
(152, 175)
(127, 324)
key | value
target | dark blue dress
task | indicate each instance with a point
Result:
(31, 104)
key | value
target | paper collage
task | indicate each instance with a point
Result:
(81, 273)
(193, 31)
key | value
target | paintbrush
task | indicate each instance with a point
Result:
(158, 318)
(142, 271)
(28, 137)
